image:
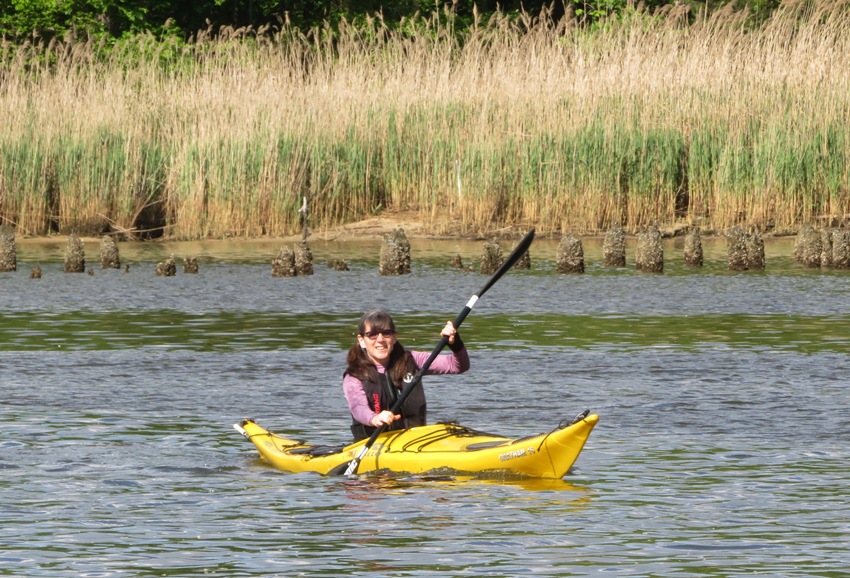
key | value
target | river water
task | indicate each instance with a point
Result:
(722, 447)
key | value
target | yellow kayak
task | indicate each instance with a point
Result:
(438, 447)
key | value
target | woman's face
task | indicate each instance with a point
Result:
(378, 342)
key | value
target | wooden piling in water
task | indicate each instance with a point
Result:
(75, 255)
(569, 255)
(303, 259)
(693, 253)
(755, 251)
(284, 264)
(736, 249)
(395, 254)
(841, 249)
(167, 268)
(649, 253)
(190, 265)
(745, 251)
(338, 264)
(8, 250)
(614, 248)
(457, 263)
(826, 249)
(808, 247)
(491, 258)
(109, 257)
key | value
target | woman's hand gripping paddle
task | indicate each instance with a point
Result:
(515, 256)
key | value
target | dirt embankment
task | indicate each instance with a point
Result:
(387, 222)
(379, 225)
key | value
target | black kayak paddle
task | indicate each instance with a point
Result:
(515, 256)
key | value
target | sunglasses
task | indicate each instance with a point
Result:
(373, 335)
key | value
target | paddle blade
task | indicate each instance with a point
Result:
(340, 470)
(350, 468)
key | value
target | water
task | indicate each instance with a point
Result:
(721, 450)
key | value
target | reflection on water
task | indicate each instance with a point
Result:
(376, 486)
(721, 448)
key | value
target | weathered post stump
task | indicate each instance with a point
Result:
(303, 259)
(190, 265)
(8, 250)
(649, 254)
(491, 258)
(75, 255)
(36, 272)
(457, 263)
(109, 258)
(284, 264)
(693, 248)
(570, 255)
(338, 265)
(614, 248)
(841, 249)
(395, 254)
(755, 251)
(167, 268)
(808, 247)
(745, 251)
(736, 249)
(826, 249)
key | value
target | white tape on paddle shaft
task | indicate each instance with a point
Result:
(472, 301)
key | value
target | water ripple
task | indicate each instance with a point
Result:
(721, 450)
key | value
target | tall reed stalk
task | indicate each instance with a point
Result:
(516, 121)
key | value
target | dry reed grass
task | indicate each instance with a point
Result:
(521, 122)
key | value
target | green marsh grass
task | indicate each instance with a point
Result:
(517, 121)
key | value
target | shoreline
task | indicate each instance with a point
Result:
(362, 241)
(374, 228)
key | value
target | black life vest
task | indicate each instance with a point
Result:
(381, 396)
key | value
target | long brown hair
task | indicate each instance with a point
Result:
(363, 368)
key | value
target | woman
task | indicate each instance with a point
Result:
(378, 369)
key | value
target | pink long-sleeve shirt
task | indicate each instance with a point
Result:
(352, 387)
